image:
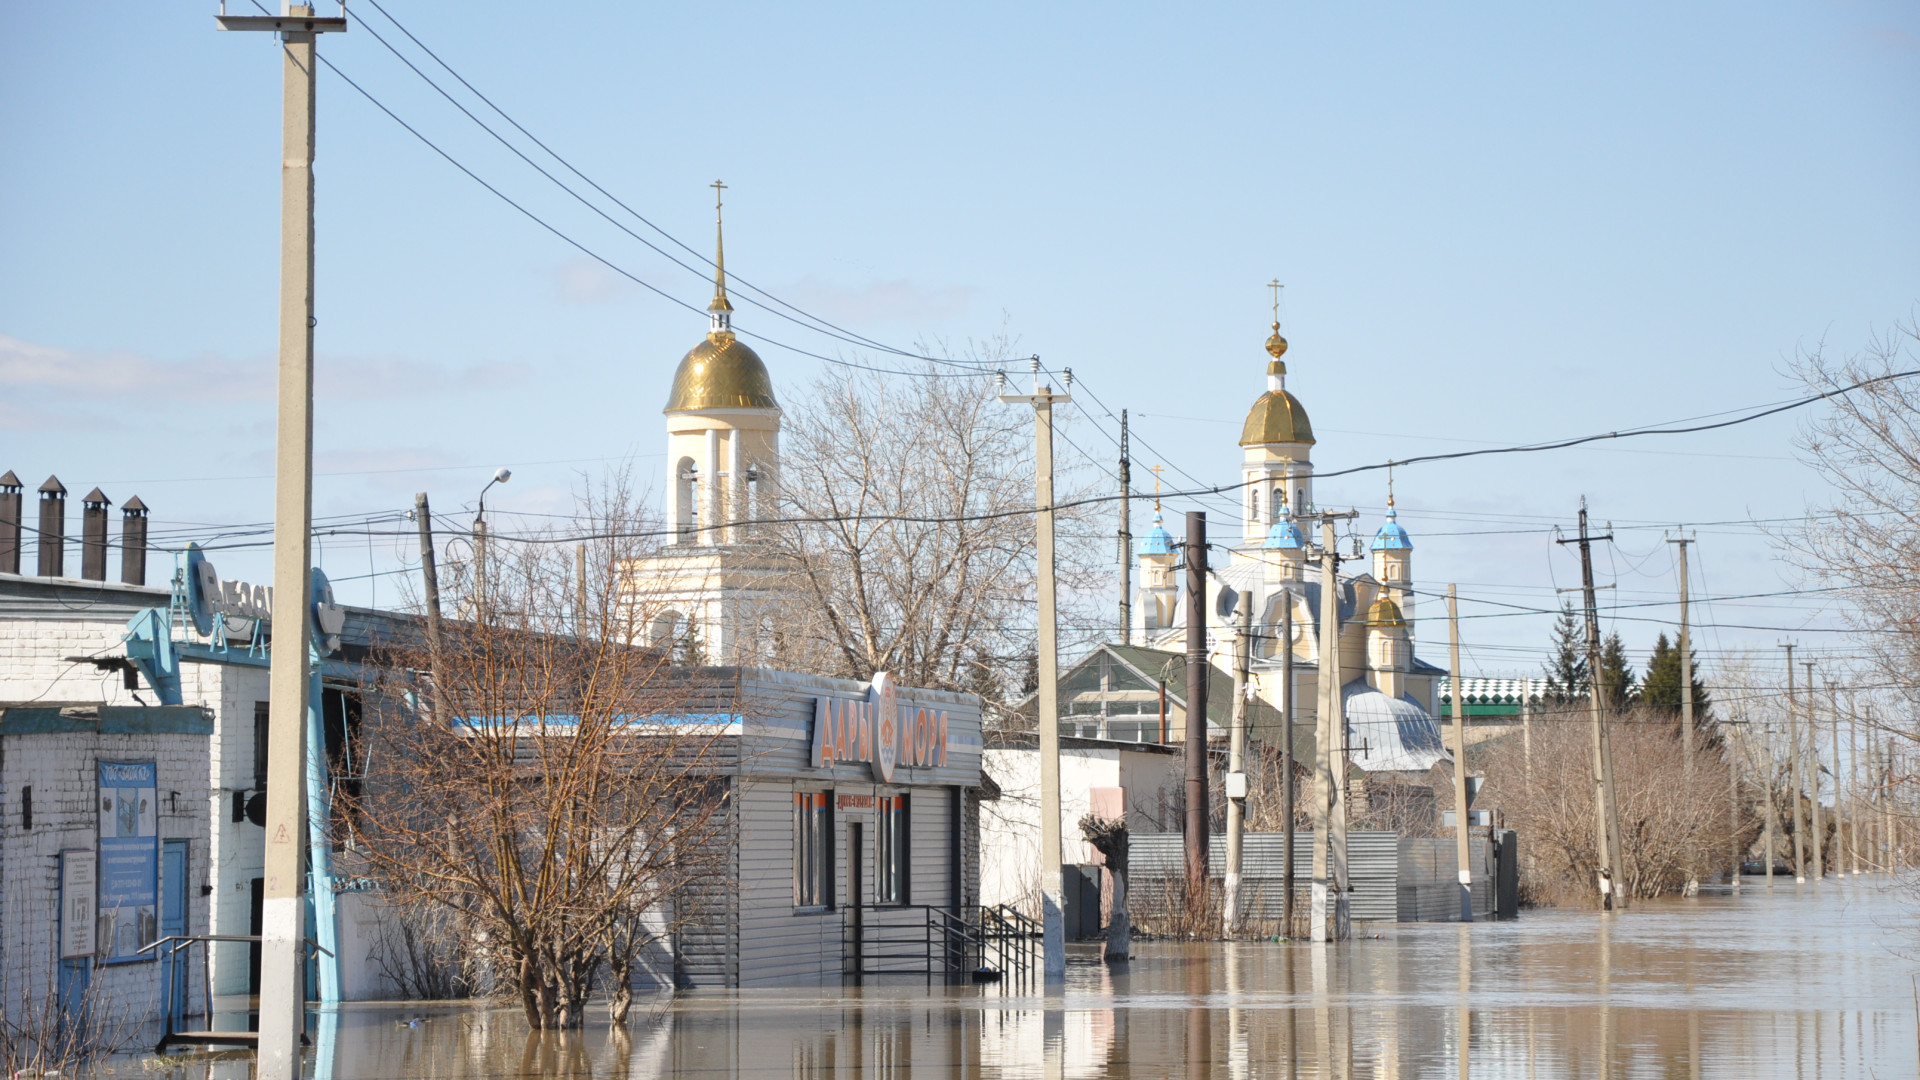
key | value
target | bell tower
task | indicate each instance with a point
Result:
(1275, 442)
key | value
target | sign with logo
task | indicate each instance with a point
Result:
(129, 869)
(248, 606)
(878, 731)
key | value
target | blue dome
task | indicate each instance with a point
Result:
(1158, 540)
(1284, 534)
(1391, 536)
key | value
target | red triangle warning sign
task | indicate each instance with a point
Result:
(280, 834)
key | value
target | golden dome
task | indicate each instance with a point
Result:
(1278, 417)
(1385, 612)
(1276, 345)
(721, 373)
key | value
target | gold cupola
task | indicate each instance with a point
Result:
(721, 372)
(1278, 417)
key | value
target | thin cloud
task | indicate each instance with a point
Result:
(882, 301)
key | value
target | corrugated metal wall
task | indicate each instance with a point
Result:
(1410, 879)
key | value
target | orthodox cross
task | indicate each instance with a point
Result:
(1156, 488)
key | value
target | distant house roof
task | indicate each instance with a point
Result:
(1387, 733)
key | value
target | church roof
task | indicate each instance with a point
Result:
(721, 373)
(1158, 540)
(1398, 735)
(1278, 417)
(1284, 535)
(1385, 613)
(1391, 536)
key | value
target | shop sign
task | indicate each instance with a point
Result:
(878, 731)
(862, 803)
(77, 888)
(129, 860)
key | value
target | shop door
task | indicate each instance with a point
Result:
(856, 898)
(173, 922)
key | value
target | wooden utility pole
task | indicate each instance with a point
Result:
(1052, 888)
(1286, 755)
(1606, 812)
(1195, 553)
(283, 911)
(1799, 782)
(1126, 534)
(1815, 839)
(1686, 696)
(429, 573)
(1236, 756)
(1460, 846)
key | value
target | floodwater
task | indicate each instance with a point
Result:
(1801, 982)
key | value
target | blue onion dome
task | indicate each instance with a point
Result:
(1158, 540)
(1284, 534)
(1391, 536)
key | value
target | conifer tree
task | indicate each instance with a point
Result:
(1567, 667)
(1661, 688)
(1617, 673)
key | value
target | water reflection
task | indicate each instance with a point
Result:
(1795, 983)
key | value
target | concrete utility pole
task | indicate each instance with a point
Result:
(1606, 812)
(1799, 782)
(429, 572)
(1330, 916)
(1773, 811)
(1236, 756)
(1460, 846)
(1816, 839)
(1196, 787)
(1286, 755)
(283, 913)
(1853, 781)
(1052, 888)
(1126, 534)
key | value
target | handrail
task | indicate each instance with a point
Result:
(222, 937)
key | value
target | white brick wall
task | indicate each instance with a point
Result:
(62, 770)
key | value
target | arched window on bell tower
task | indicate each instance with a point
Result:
(686, 508)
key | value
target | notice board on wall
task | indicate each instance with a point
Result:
(129, 860)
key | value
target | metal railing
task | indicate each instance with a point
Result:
(169, 950)
(930, 942)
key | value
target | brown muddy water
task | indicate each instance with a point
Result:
(1803, 982)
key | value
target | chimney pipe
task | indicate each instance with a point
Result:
(133, 542)
(93, 535)
(53, 528)
(10, 517)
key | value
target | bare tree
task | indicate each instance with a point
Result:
(906, 513)
(1668, 825)
(547, 794)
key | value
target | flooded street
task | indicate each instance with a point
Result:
(1804, 982)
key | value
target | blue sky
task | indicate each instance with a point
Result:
(1499, 225)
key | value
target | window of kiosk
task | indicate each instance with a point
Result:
(891, 865)
(813, 849)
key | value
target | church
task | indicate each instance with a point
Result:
(716, 595)
(1388, 692)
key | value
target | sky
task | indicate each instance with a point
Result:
(1500, 225)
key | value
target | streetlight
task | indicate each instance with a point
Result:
(500, 476)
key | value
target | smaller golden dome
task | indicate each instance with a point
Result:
(1276, 345)
(1385, 613)
(721, 373)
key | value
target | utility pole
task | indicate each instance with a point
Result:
(1052, 888)
(283, 913)
(1460, 845)
(1236, 756)
(1330, 916)
(1196, 786)
(1815, 839)
(1853, 780)
(1686, 695)
(1773, 810)
(1605, 811)
(1799, 782)
(1126, 534)
(1286, 755)
(1836, 854)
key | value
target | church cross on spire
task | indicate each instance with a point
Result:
(721, 308)
(1156, 488)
